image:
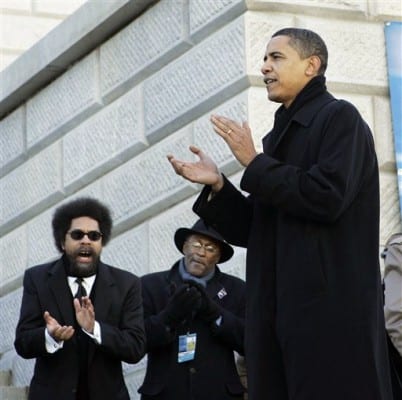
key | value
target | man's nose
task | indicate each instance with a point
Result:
(266, 67)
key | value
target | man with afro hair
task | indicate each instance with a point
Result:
(80, 318)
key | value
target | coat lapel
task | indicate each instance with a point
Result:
(61, 292)
(103, 287)
(102, 300)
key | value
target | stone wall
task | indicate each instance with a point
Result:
(24, 22)
(94, 108)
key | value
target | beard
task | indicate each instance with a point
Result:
(79, 269)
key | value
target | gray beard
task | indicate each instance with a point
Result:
(81, 271)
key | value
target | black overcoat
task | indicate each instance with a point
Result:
(212, 374)
(314, 319)
(118, 309)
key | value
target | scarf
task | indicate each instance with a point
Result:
(203, 280)
(283, 115)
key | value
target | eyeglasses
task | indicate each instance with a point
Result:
(209, 248)
(78, 234)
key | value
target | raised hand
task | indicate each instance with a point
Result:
(85, 313)
(238, 137)
(209, 310)
(203, 171)
(57, 331)
(182, 304)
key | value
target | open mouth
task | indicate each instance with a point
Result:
(268, 81)
(84, 255)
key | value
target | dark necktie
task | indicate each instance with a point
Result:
(82, 341)
(81, 292)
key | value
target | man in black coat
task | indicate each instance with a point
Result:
(80, 318)
(315, 323)
(194, 321)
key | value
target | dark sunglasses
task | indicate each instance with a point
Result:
(78, 234)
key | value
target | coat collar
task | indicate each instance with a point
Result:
(304, 117)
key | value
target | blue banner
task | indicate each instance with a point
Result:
(393, 37)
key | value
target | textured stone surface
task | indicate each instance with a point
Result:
(140, 188)
(129, 251)
(207, 16)
(56, 7)
(352, 47)
(10, 306)
(11, 140)
(387, 9)
(383, 133)
(189, 82)
(41, 247)
(64, 102)
(33, 182)
(390, 221)
(258, 31)
(22, 31)
(162, 250)
(144, 46)
(13, 254)
(104, 141)
(13, 393)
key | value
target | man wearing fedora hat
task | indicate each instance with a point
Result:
(194, 321)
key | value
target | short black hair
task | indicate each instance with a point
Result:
(81, 207)
(307, 43)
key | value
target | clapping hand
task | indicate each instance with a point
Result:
(184, 301)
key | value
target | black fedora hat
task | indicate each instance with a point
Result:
(200, 228)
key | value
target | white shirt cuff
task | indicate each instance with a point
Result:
(97, 333)
(51, 345)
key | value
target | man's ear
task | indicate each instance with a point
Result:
(313, 66)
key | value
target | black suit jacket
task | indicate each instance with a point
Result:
(212, 374)
(118, 309)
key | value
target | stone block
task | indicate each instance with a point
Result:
(152, 40)
(13, 393)
(41, 247)
(22, 370)
(390, 9)
(162, 249)
(129, 251)
(134, 381)
(104, 141)
(16, 6)
(259, 27)
(7, 58)
(60, 8)
(13, 254)
(353, 47)
(390, 221)
(210, 142)
(312, 7)
(383, 134)
(260, 114)
(5, 377)
(237, 264)
(27, 187)
(64, 103)
(208, 16)
(11, 140)
(147, 184)
(197, 81)
(10, 309)
(24, 30)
